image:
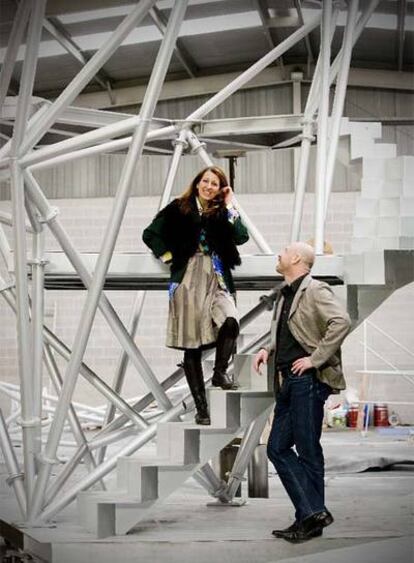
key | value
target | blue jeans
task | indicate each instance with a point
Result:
(298, 422)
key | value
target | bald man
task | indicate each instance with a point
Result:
(308, 328)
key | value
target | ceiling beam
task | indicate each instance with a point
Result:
(402, 10)
(179, 50)
(58, 31)
(272, 76)
(306, 39)
(263, 11)
(248, 19)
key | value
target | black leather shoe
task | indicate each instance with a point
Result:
(319, 520)
(310, 528)
(289, 532)
(284, 531)
(223, 380)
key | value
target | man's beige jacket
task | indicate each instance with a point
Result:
(318, 321)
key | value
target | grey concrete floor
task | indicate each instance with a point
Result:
(373, 513)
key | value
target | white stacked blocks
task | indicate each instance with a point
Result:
(384, 217)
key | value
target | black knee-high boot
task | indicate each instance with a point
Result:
(194, 373)
(226, 339)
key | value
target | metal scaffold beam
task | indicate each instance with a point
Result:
(40, 497)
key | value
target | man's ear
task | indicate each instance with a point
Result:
(295, 259)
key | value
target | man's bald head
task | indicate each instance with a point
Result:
(296, 259)
(304, 251)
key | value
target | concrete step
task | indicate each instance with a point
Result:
(97, 510)
(247, 377)
(182, 448)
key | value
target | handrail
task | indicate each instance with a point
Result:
(380, 330)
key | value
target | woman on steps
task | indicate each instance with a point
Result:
(197, 235)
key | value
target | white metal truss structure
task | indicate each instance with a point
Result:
(38, 495)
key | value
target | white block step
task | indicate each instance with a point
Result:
(253, 405)
(97, 510)
(138, 478)
(179, 442)
(224, 408)
(247, 377)
(152, 480)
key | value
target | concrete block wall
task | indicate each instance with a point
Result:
(384, 213)
(85, 220)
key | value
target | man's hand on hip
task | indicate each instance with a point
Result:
(260, 358)
(301, 365)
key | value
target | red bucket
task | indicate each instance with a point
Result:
(381, 414)
(352, 416)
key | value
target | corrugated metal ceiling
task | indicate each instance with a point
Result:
(217, 36)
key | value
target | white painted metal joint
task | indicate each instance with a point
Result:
(195, 144)
(30, 422)
(44, 460)
(7, 286)
(14, 477)
(53, 213)
(306, 135)
(180, 141)
(237, 476)
(37, 262)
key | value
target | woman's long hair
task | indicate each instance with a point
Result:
(185, 200)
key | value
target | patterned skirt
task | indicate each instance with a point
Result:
(198, 306)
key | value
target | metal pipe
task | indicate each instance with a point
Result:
(37, 319)
(307, 139)
(66, 150)
(5, 149)
(321, 149)
(111, 433)
(67, 471)
(75, 425)
(87, 373)
(180, 145)
(252, 71)
(123, 363)
(16, 36)
(87, 73)
(179, 50)
(265, 304)
(96, 381)
(7, 219)
(200, 150)
(362, 21)
(339, 100)
(104, 440)
(402, 11)
(121, 199)
(110, 315)
(107, 466)
(30, 422)
(302, 176)
(15, 478)
(28, 74)
(5, 249)
(249, 442)
(207, 478)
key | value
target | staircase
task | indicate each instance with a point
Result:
(182, 449)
